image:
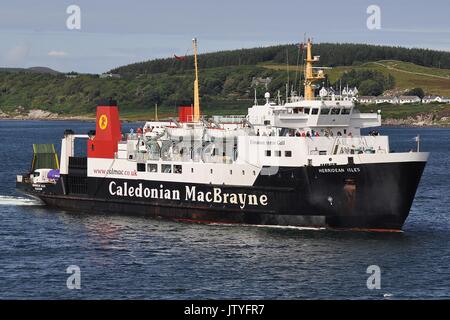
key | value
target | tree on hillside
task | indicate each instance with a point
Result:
(370, 88)
(416, 92)
(368, 82)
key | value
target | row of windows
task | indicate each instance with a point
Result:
(277, 153)
(167, 168)
(324, 111)
(335, 111)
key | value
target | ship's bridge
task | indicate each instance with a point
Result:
(312, 114)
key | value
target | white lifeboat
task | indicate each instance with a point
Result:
(180, 132)
(221, 133)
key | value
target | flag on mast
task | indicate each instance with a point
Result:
(179, 58)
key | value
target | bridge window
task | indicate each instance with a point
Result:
(268, 153)
(266, 122)
(288, 154)
(306, 110)
(324, 111)
(335, 111)
(346, 111)
(141, 167)
(166, 168)
(152, 167)
(315, 111)
(277, 153)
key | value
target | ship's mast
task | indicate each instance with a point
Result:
(310, 77)
(196, 87)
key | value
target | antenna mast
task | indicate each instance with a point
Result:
(288, 76)
(310, 76)
(196, 86)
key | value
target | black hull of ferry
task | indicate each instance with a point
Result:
(369, 196)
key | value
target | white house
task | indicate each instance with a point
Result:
(386, 99)
(110, 75)
(366, 99)
(257, 81)
(408, 99)
(389, 99)
(438, 99)
(349, 93)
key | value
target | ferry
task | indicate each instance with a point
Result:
(303, 162)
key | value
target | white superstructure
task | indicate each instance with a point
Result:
(234, 150)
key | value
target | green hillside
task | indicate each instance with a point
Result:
(332, 55)
(407, 75)
(433, 81)
(30, 70)
(225, 79)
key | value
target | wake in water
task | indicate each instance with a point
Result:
(286, 227)
(268, 226)
(18, 201)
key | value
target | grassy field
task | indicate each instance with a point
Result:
(407, 75)
(438, 113)
(403, 111)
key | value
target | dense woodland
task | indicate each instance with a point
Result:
(368, 82)
(225, 79)
(331, 55)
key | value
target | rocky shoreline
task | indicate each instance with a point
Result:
(38, 114)
(420, 120)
